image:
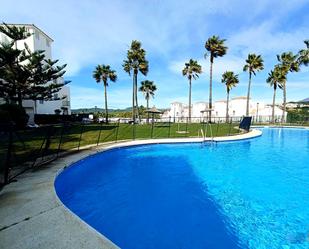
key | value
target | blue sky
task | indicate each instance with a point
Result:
(88, 33)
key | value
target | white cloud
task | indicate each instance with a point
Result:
(90, 32)
(99, 31)
(266, 40)
(227, 63)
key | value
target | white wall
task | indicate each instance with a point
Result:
(237, 107)
(49, 107)
(220, 109)
(37, 41)
(42, 42)
(197, 109)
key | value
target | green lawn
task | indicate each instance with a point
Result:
(27, 144)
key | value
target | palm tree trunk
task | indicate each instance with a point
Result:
(147, 99)
(227, 106)
(135, 96)
(190, 87)
(136, 101)
(273, 110)
(284, 103)
(106, 109)
(248, 95)
(133, 99)
(210, 88)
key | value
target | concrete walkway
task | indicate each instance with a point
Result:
(32, 216)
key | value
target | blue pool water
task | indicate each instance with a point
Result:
(246, 194)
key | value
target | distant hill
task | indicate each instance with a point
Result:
(95, 110)
(305, 100)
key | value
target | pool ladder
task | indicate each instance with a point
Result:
(204, 135)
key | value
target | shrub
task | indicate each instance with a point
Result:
(56, 119)
(14, 113)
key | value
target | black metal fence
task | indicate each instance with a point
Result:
(291, 119)
(21, 150)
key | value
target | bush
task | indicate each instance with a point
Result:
(14, 113)
(56, 119)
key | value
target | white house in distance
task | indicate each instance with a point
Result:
(237, 108)
(41, 41)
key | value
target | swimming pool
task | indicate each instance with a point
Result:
(246, 194)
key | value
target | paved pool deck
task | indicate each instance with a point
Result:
(32, 216)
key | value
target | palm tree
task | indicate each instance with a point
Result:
(253, 63)
(215, 46)
(136, 62)
(275, 79)
(230, 80)
(303, 55)
(148, 88)
(104, 73)
(191, 70)
(288, 63)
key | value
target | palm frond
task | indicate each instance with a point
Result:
(230, 80)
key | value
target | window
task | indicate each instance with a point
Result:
(41, 101)
(56, 96)
(47, 43)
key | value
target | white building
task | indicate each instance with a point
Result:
(179, 111)
(176, 111)
(41, 41)
(237, 108)
(198, 108)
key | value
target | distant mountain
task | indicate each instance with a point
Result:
(304, 100)
(94, 110)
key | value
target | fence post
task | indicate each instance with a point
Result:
(204, 130)
(134, 130)
(80, 136)
(186, 125)
(99, 134)
(152, 127)
(117, 129)
(60, 141)
(8, 156)
(169, 127)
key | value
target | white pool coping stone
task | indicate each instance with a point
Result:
(32, 216)
(281, 126)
